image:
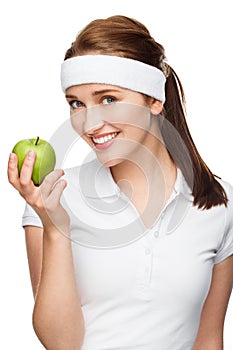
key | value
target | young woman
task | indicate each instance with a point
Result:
(132, 249)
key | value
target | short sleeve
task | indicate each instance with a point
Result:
(226, 245)
(30, 217)
(226, 248)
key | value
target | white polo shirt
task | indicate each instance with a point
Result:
(141, 289)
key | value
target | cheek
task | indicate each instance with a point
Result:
(130, 132)
(134, 116)
(77, 120)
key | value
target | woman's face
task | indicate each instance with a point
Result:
(112, 120)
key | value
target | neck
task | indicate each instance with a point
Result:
(144, 170)
(148, 178)
(149, 164)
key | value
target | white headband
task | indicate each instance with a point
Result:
(120, 71)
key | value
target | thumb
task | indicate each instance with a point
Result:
(57, 191)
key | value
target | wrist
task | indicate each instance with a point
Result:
(53, 233)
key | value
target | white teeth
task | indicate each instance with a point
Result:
(104, 139)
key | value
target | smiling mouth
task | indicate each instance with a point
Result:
(104, 139)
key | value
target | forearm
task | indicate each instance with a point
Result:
(209, 346)
(212, 343)
(57, 317)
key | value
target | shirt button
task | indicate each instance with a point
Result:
(147, 251)
(156, 234)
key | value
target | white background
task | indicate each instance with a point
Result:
(197, 37)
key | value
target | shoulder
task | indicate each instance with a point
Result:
(226, 242)
(228, 188)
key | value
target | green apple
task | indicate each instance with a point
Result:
(45, 157)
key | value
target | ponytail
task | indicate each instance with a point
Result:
(206, 189)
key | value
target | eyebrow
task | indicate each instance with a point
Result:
(96, 93)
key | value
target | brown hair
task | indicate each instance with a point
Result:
(126, 37)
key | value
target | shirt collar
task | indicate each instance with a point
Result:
(181, 186)
(96, 181)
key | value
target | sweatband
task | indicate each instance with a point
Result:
(113, 70)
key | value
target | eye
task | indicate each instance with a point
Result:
(75, 104)
(107, 100)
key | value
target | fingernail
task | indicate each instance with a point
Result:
(12, 157)
(31, 154)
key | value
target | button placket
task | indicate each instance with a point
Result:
(149, 245)
(147, 265)
(143, 289)
(147, 251)
(148, 256)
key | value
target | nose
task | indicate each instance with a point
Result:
(93, 120)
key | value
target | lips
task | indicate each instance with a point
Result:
(103, 138)
(103, 141)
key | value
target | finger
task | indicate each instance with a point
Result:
(12, 170)
(49, 181)
(55, 195)
(27, 169)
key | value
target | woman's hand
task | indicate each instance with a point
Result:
(45, 199)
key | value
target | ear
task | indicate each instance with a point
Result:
(156, 106)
